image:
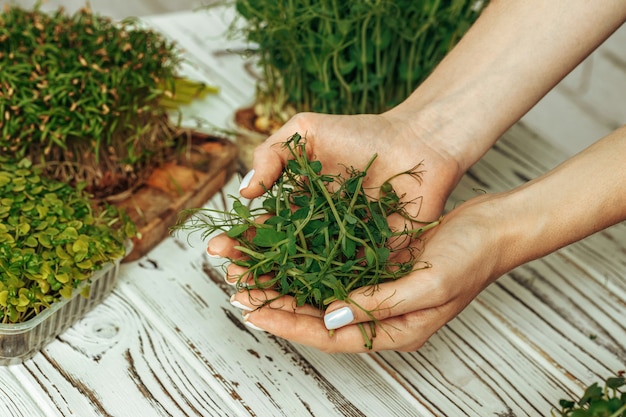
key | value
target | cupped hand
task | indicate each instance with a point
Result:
(340, 142)
(466, 252)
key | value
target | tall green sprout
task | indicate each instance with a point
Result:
(361, 56)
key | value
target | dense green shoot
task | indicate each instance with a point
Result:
(347, 57)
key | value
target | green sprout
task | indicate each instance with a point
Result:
(87, 98)
(347, 57)
(597, 401)
(52, 238)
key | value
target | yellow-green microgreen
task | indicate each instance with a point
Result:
(52, 238)
(323, 237)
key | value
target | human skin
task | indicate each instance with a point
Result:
(513, 55)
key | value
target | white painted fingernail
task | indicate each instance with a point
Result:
(245, 182)
(239, 305)
(250, 325)
(338, 318)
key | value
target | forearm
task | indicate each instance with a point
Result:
(583, 195)
(512, 56)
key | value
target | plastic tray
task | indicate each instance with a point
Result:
(21, 341)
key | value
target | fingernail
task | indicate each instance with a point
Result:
(245, 182)
(250, 325)
(212, 255)
(239, 305)
(338, 318)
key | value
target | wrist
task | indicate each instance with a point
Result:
(445, 127)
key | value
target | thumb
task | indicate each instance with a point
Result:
(267, 167)
(268, 162)
(386, 300)
(362, 305)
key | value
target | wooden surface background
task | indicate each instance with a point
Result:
(168, 343)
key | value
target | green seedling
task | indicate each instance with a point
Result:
(87, 98)
(597, 401)
(52, 238)
(346, 57)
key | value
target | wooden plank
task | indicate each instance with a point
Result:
(16, 399)
(114, 362)
(167, 342)
(182, 183)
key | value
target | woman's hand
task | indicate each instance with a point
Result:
(342, 142)
(466, 252)
(475, 244)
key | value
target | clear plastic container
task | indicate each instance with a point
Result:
(21, 341)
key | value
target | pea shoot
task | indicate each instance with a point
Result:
(315, 244)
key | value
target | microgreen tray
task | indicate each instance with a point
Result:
(21, 341)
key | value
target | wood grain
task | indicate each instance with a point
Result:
(168, 343)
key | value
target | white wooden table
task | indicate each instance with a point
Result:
(168, 343)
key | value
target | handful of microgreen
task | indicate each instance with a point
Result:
(318, 242)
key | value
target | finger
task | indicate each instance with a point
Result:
(268, 162)
(223, 246)
(271, 156)
(404, 333)
(417, 291)
(250, 300)
(242, 277)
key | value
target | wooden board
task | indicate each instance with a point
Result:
(168, 343)
(187, 182)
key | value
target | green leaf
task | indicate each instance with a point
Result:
(61, 253)
(350, 219)
(268, 237)
(370, 256)
(31, 242)
(294, 166)
(86, 264)
(316, 166)
(62, 277)
(300, 214)
(4, 296)
(237, 230)
(382, 254)
(23, 228)
(348, 247)
(69, 234)
(615, 382)
(5, 179)
(66, 291)
(241, 210)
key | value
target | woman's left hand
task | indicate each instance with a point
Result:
(466, 252)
